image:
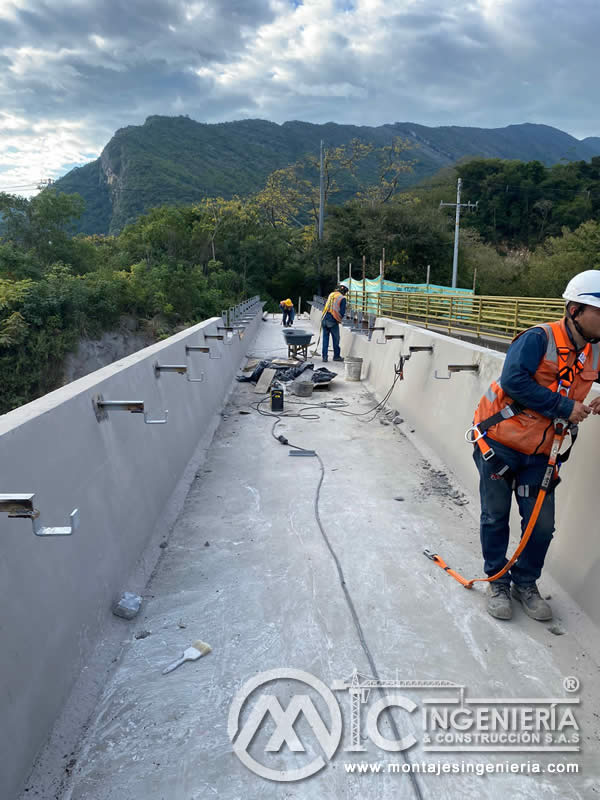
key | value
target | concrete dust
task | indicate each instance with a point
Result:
(436, 483)
(557, 629)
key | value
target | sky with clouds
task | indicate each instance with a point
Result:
(74, 71)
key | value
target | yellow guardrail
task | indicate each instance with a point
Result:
(501, 317)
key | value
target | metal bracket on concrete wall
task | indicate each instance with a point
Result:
(371, 330)
(228, 334)
(360, 319)
(181, 369)
(416, 349)
(20, 506)
(102, 407)
(219, 337)
(388, 337)
(191, 348)
(457, 368)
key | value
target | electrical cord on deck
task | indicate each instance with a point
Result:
(338, 405)
(358, 626)
(342, 579)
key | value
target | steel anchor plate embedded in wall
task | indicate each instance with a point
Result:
(191, 348)
(452, 368)
(20, 506)
(102, 407)
(180, 369)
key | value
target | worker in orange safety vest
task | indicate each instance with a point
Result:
(547, 374)
(333, 314)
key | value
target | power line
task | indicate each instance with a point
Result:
(21, 186)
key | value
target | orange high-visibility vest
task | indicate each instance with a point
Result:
(560, 369)
(333, 305)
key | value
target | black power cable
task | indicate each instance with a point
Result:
(339, 406)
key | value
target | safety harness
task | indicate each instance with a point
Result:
(333, 306)
(560, 430)
(476, 435)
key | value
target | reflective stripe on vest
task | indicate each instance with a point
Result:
(560, 370)
(333, 305)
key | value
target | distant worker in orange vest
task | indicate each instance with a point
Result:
(547, 374)
(287, 309)
(333, 314)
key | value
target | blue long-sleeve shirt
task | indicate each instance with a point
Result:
(522, 360)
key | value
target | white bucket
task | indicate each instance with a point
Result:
(353, 367)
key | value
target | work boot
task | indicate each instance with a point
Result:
(338, 358)
(533, 603)
(499, 603)
(326, 359)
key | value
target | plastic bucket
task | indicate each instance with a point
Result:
(353, 367)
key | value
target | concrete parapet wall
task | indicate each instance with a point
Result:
(442, 410)
(121, 474)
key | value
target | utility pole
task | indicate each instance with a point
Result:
(364, 288)
(338, 270)
(458, 206)
(350, 276)
(321, 196)
(428, 274)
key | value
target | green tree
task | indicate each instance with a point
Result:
(562, 257)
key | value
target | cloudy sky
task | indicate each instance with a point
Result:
(73, 71)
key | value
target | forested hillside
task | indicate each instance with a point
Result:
(175, 160)
(535, 227)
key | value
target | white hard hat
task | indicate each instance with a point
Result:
(584, 288)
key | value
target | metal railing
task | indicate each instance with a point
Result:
(500, 317)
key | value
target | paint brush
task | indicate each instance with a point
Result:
(193, 653)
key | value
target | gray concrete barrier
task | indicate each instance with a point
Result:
(441, 411)
(121, 474)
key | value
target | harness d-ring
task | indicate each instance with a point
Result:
(470, 430)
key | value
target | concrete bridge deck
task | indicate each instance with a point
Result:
(247, 569)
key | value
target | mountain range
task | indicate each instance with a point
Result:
(176, 160)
